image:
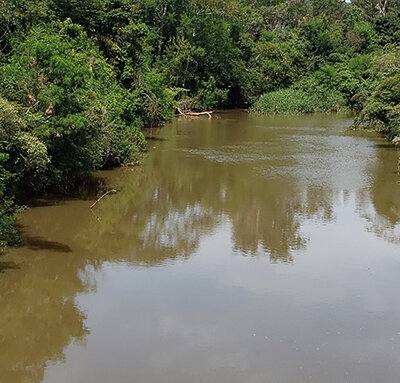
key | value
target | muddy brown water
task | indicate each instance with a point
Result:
(243, 249)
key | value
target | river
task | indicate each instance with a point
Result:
(243, 249)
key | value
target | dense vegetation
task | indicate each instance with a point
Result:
(80, 78)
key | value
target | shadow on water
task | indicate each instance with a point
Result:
(43, 201)
(87, 190)
(159, 139)
(386, 146)
(5, 266)
(37, 243)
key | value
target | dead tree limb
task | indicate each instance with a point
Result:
(195, 114)
(104, 195)
(91, 64)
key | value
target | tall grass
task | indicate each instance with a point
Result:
(298, 100)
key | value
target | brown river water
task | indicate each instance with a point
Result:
(243, 249)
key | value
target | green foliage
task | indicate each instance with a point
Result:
(156, 100)
(298, 100)
(388, 28)
(377, 8)
(382, 109)
(22, 156)
(8, 210)
(322, 38)
(73, 101)
(380, 102)
(209, 96)
(8, 231)
(272, 65)
(331, 88)
(363, 36)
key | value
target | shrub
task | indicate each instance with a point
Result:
(209, 95)
(22, 157)
(73, 103)
(382, 109)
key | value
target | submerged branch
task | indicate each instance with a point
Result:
(104, 195)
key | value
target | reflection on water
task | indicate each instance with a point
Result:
(245, 248)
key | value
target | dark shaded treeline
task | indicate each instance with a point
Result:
(78, 79)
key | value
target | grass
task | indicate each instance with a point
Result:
(297, 100)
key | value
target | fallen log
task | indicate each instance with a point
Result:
(195, 114)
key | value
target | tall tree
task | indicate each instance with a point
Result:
(376, 8)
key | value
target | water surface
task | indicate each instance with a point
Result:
(243, 249)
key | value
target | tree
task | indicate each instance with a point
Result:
(376, 8)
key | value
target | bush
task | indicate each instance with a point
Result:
(209, 96)
(8, 210)
(22, 157)
(73, 103)
(8, 232)
(382, 109)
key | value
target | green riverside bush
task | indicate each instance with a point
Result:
(297, 100)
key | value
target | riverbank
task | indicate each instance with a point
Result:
(374, 99)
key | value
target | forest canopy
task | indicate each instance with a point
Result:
(79, 79)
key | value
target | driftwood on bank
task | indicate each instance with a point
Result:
(188, 113)
(104, 195)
